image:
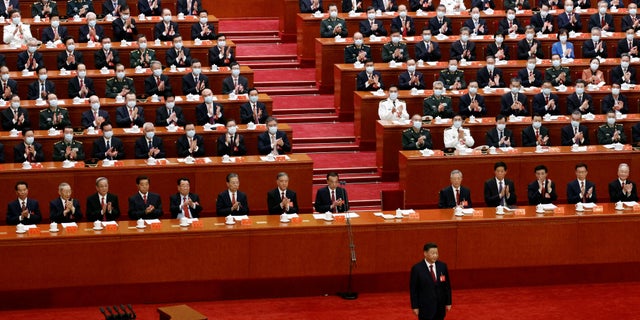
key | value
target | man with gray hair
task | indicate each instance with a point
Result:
(623, 189)
(64, 208)
(149, 146)
(455, 195)
(102, 205)
(91, 31)
(157, 83)
(281, 199)
(437, 105)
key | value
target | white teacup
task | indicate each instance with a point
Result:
(214, 67)
(25, 72)
(618, 146)
(399, 214)
(197, 41)
(226, 158)
(229, 220)
(328, 216)
(173, 68)
(184, 221)
(284, 218)
(458, 211)
(140, 223)
(91, 130)
(619, 205)
(119, 98)
(579, 206)
(155, 98)
(189, 160)
(20, 228)
(499, 210)
(53, 227)
(157, 42)
(151, 160)
(97, 224)
(539, 209)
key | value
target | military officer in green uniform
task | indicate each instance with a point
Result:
(143, 55)
(452, 78)
(54, 116)
(333, 26)
(69, 148)
(557, 74)
(358, 51)
(119, 85)
(416, 137)
(44, 9)
(395, 50)
(79, 7)
(611, 132)
(437, 105)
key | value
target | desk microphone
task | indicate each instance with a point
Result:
(349, 294)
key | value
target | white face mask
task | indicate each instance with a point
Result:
(411, 69)
(5, 77)
(579, 90)
(499, 40)
(490, 67)
(222, 43)
(82, 74)
(16, 20)
(71, 47)
(157, 72)
(440, 14)
(546, 91)
(208, 99)
(369, 69)
(204, 20)
(273, 130)
(178, 45)
(167, 18)
(563, 39)
(95, 106)
(457, 124)
(515, 89)
(475, 16)
(453, 68)
(615, 91)
(232, 130)
(120, 74)
(531, 66)
(511, 16)
(568, 9)
(125, 17)
(464, 38)
(594, 66)
(611, 121)
(108, 134)
(629, 37)
(371, 16)
(196, 71)
(55, 23)
(395, 40)
(68, 137)
(602, 10)
(53, 103)
(426, 37)
(473, 90)
(253, 98)
(624, 64)
(29, 140)
(333, 14)
(92, 23)
(544, 14)
(595, 38)
(437, 92)
(633, 11)
(393, 95)
(501, 126)
(107, 46)
(131, 104)
(555, 63)
(402, 14)
(191, 133)
(358, 42)
(150, 134)
(537, 124)
(170, 105)
(142, 45)
(32, 49)
(575, 123)
(15, 105)
(235, 72)
(529, 36)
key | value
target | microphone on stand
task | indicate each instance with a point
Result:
(349, 294)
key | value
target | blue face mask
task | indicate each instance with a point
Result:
(253, 99)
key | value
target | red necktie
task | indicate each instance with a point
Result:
(233, 198)
(510, 24)
(583, 191)
(333, 196)
(144, 198)
(458, 196)
(546, 98)
(433, 274)
(185, 208)
(158, 81)
(602, 22)
(104, 209)
(404, 28)
(24, 205)
(93, 38)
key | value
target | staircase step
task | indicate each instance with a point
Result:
(349, 178)
(288, 89)
(284, 83)
(275, 57)
(309, 118)
(325, 147)
(351, 139)
(270, 64)
(359, 170)
(302, 111)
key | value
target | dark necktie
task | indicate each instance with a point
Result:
(433, 274)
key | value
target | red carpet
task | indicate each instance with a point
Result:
(315, 130)
(290, 75)
(595, 301)
(265, 50)
(301, 102)
(343, 159)
(230, 25)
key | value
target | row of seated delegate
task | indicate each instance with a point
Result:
(80, 8)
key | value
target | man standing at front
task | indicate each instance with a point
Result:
(429, 286)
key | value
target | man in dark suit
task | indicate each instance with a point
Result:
(629, 45)
(221, 54)
(348, 6)
(403, 23)
(489, 75)
(254, 110)
(149, 8)
(166, 29)
(235, 82)
(108, 146)
(96, 116)
(184, 204)
(631, 20)
(529, 76)
(579, 100)
(594, 47)
(455, 195)
(30, 59)
(514, 102)
(273, 141)
(6, 8)
(231, 143)
(542, 190)
(498, 49)
(463, 49)
(23, 210)
(130, 114)
(106, 57)
(575, 133)
(170, 113)
(499, 191)
(635, 134)
(232, 201)
(623, 189)
(91, 31)
(543, 21)
(54, 32)
(535, 134)
(41, 87)
(144, 204)
(203, 30)
(472, 104)
(209, 111)
(69, 58)
(430, 286)
(615, 101)
(412, 78)
(124, 27)
(380, 5)
(569, 20)
(157, 83)
(149, 146)
(113, 7)
(81, 86)
(602, 19)
(189, 7)
(510, 24)
(530, 47)
(546, 102)
(623, 73)
(15, 117)
(310, 6)
(28, 150)
(500, 136)
(179, 55)
(369, 79)
(333, 198)
(190, 144)
(440, 24)
(581, 190)
(426, 50)
(282, 199)
(195, 82)
(475, 24)
(8, 86)
(102, 205)
(64, 208)
(372, 26)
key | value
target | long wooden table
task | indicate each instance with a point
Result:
(270, 259)
(231, 108)
(207, 180)
(366, 107)
(128, 139)
(50, 55)
(477, 168)
(345, 77)
(144, 27)
(100, 79)
(309, 26)
(389, 136)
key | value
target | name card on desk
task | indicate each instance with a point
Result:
(478, 213)
(519, 212)
(598, 209)
(559, 210)
(34, 231)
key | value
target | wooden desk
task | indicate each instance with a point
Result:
(478, 168)
(345, 76)
(128, 139)
(268, 259)
(180, 312)
(100, 79)
(309, 29)
(144, 27)
(256, 178)
(231, 108)
(389, 137)
(50, 55)
(366, 107)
